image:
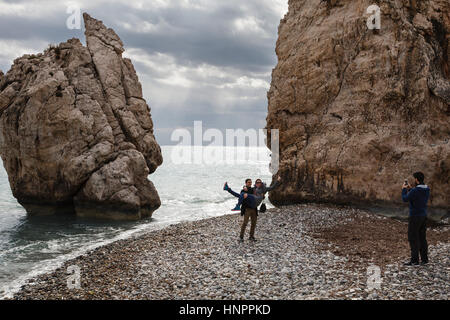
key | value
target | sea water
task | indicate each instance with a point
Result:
(31, 245)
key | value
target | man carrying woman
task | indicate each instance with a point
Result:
(250, 198)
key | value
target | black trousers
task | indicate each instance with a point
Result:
(417, 237)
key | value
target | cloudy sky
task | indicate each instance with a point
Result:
(208, 60)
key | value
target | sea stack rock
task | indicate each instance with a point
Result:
(76, 134)
(360, 110)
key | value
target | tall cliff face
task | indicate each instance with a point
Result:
(76, 133)
(360, 110)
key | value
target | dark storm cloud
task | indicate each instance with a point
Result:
(199, 37)
(198, 60)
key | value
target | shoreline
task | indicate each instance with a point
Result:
(307, 251)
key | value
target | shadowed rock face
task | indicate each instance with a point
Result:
(360, 110)
(76, 134)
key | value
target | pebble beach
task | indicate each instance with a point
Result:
(307, 251)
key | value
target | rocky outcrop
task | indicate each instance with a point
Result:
(360, 110)
(76, 134)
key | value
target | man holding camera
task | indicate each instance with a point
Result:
(417, 223)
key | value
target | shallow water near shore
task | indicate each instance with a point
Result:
(33, 245)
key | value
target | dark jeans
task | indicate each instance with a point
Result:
(417, 237)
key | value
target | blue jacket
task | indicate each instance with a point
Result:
(418, 198)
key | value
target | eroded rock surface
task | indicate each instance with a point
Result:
(76, 133)
(360, 110)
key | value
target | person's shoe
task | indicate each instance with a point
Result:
(424, 263)
(241, 239)
(225, 186)
(237, 208)
(252, 239)
(411, 263)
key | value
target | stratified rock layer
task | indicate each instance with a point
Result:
(76, 133)
(360, 110)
